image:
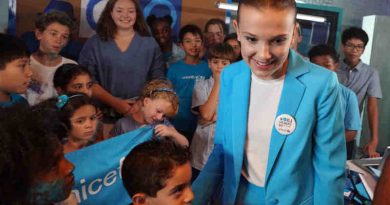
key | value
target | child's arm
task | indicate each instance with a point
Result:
(208, 109)
(162, 130)
(372, 110)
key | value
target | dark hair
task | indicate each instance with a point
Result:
(231, 36)
(221, 50)
(216, 21)
(55, 16)
(11, 48)
(106, 27)
(67, 72)
(276, 4)
(354, 32)
(323, 49)
(190, 28)
(150, 164)
(153, 20)
(27, 145)
(65, 112)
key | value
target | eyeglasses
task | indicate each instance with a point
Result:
(357, 47)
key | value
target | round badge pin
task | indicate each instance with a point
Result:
(285, 124)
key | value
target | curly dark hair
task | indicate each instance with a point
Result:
(150, 164)
(106, 27)
(67, 72)
(75, 101)
(29, 137)
(11, 48)
(45, 19)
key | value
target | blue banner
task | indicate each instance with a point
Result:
(97, 173)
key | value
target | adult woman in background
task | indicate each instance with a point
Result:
(122, 57)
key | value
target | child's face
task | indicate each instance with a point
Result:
(325, 61)
(154, 110)
(83, 122)
(265, 35)
(124, 14)
(177, 190)
(80, 84)
(353, 49)
(162, 32)
(217, 64)
(192, 44)
(53, 38)
(214, 34)
(236, 47)
(16, 76)
(56, 184)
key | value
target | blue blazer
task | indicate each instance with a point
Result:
(304, 167)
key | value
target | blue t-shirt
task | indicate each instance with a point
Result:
(183, 78)
(350, 109)
(16, 99)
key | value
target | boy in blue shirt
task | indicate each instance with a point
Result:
(183, 75)
(15, 71)
(327, 57)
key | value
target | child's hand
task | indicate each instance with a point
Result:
(164, 131)
(169, 131)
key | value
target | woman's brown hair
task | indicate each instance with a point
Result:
(106, 27)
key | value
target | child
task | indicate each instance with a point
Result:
(158, 172)
(33, 169)
(231, 39)
(183, 75)
(162, 32)
(52, 30)
(158, 100)
(204, 103)
(77, 112)
(73, 78)
(15, 71)
(364, 81)
(326, 56)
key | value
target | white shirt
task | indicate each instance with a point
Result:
(263, 106)
(42, 87)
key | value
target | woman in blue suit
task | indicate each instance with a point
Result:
(279, 137)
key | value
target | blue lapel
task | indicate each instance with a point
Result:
(292, 93)
(240, 104)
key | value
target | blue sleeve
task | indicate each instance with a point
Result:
(352, 120)
(329, 150)
(211, 176)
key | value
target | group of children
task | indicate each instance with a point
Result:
(56, 86)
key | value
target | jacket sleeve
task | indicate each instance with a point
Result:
(211, 176)
(329, 150)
